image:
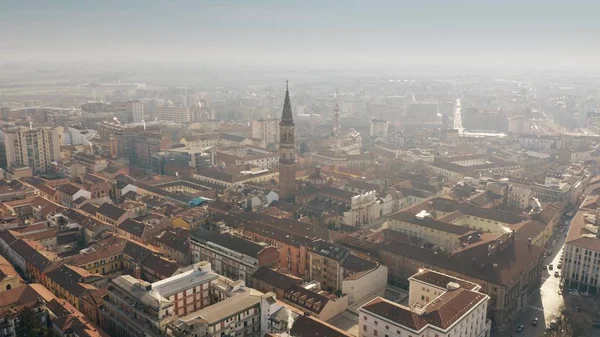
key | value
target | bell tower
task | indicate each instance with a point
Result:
(287, 150)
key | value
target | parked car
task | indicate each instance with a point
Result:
(550, 266)
(535, 321)
(559, 266)
(520, 328)
(556, 274)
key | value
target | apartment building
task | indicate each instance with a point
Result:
(196, 302)
(378, 128)
(438, 305)
(267, 130)
(33, 295)
(246, 314)
(232, 256)
(36, 148)
(132, 309)
(581, 259)
(177, 114)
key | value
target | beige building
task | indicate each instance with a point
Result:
(137, 110)
(177, 114)
(438, 305)
(266, 129)
(339, 271)
(35, 148)
(581, 262)
(378, 128)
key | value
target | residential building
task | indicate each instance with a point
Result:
(171, 113)
(266, 280)
(72, 283)
(339, 271)
(175, 243)
(68, 193)
(581, 262)
(310, 299)
(378, 128)
(36, 148)
(132, 309)
(244, 314)
(230, 255)
(111, 214)
(266, 129)
(438, 305)
(34, 296)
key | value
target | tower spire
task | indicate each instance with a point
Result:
(286, 116)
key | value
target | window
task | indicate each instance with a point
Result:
(364, 328)
(375, 322)
(374, 332)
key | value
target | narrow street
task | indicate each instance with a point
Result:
(546, 305)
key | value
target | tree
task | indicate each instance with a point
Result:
(304, 148)
(30, 325)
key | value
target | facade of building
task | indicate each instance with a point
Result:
(177, 114)
(36, 148)
(246, 313)
(378, 128)
(581, 262)
(438, 305)
(287, 151)
(266, 129)
(232, 256)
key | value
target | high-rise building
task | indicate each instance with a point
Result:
(36, 148)
(287, 151)
(177, 114)
(137, 111)
(379, 128)
(266, 129)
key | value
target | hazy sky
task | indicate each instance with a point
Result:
(545, 33)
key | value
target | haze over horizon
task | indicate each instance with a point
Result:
(366, 34)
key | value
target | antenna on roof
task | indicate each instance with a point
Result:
(30, 123)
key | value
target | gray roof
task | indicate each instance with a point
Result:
(111, 211)
(228, 241)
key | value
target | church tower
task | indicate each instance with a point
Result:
(287, 151)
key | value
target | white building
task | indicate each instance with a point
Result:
(137, 111)
(245, 314)
(439, 305)
(177, 114)
(266, 129)
(379, 128)
(581, 262)
(364, 209)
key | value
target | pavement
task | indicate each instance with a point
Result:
(544, 305)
